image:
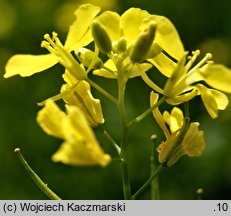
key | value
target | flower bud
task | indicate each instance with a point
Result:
(120, 45)
(143, 44)
(86, 56)
(101, 38)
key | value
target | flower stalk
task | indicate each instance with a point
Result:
(147, 112)
(124, 139)
(148, 182)
(155, 192)
(102, 91)
(43, 186)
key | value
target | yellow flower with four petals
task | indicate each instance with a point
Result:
(80, 146)
(181, 140)
(79, 35)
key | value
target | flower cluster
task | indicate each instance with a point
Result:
(133, 43)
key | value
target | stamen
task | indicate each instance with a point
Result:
(192, 59)
(54, 45)
(48, 38)
(54, 36)
(56, 39)
(202, 62)
(197, 52)
(47, 45)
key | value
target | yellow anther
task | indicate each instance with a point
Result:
(45, 44)
(209, 56)
(54, 36)
(196, 52)
(46, 36)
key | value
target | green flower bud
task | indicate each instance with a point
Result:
(101, 38)
(120, 45)
(143, 44)
(85, 56)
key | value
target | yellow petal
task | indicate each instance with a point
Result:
(193, 145)
(213, 100)
(208, 100)
(110, 21)
(164, 64)
(193, 142)
(105, 73)
(175, 120)
(130, 23)
(167, 36)
(193, 77)
(111, 73)
(217, 76)
(69, 78)
(79, 34)
(138, 69)
(157, 115)
(220, 98)
(81, 146)
(78, 154)
(27, 65)
(50, 118)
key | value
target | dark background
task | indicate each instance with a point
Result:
(201, 24)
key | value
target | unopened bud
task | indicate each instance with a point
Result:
(86, 56)
(143, 44)
(101, 38)
(121, 45)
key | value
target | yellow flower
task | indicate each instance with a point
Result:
(183, 83)
(126, 31)
(81, 97)
(80, 146)
(184, 79)
(182, 140)
(174, 147)
(79, 35)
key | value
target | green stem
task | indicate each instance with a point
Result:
(124, 138)
(148, 182)
(111, 140)
(46, 190)
(186, 110)
(147, 112)
(155, 193)
(59, 96)
(102, 91)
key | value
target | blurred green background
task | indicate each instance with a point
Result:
(201, 24)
